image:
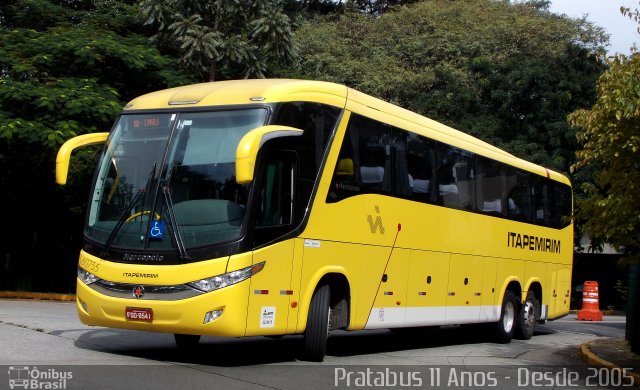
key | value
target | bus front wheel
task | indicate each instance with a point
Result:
(317, 331)
(505, 327)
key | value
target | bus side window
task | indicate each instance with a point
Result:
(490, 187)
(539, 191)
(518, 196)
(561, 205)
(374, 151)
(367, 148)
(454, 174)
(400, 174)
(552, 202)
(318, 122)
(420, 158)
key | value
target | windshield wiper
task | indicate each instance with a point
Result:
(126, 213)
(182, 251)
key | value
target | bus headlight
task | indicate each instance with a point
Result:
(86, 276)
(228, 279)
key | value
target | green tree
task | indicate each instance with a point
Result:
(376, 7)
(223, 39)
(609, 133)
(66, 68)
(308, 8)
(506, 72)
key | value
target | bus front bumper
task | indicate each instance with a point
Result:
(186, 316)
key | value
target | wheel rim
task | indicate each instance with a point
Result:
(509, 317)
(529, 315)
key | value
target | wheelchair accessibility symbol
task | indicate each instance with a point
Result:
(157, 230)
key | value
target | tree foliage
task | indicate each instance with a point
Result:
(609, 133)
(66, 67)
(507, 73)
(376, 7)
(307, 8)
(223, 39)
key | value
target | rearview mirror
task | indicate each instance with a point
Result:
(250, 144)
(64, 154)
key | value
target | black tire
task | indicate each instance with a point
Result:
(527, 317)
(507, 324)
(186, 341)
(317, 331)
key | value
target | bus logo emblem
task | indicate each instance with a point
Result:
(377, 224)
(138, 292)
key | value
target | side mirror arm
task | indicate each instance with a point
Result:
(250, 144)
(64, 154)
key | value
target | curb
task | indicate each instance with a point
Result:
(39, 296)
(595, 360)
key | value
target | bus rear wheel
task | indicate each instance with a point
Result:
(505, 327)
(317, 331)
(528, 316)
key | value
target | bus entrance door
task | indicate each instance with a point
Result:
(271, 290)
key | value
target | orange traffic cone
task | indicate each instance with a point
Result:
(590, 301)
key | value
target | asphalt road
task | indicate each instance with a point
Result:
(45, 343)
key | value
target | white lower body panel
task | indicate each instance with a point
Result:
(401, 317)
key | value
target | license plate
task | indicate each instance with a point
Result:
(138, 314)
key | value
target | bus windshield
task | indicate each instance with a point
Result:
(167, 181)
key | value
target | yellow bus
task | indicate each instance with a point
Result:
(283, 207)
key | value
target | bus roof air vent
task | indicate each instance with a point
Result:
(182, 102)
(184, 96)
